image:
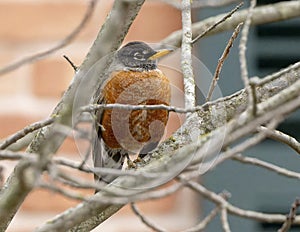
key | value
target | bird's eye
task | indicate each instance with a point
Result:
(138, 56)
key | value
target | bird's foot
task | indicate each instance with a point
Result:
(138, 160)
(131, 164)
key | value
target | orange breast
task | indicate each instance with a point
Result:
(132, 130)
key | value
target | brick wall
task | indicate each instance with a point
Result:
(30, 93)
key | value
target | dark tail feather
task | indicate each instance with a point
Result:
(104, 157)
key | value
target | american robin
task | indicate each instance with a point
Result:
(134, 79)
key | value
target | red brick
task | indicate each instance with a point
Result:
(33, 21)
(13, 82)
(154, 22)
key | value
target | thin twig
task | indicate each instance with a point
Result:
(267, 165)
(236, 130)
(203, 224)
(10, 155)
(145, 220)
(111, 197)
(67, 193)
(243, 60)
(252, 85)
(61, 44)
(247, 143)
(222, 60)
(224, 219)
(290, 217)
(22, 143)
(76, 182)
(282, 137)
(71, 63)
(186, 55)
(71, 164)
(273, 76)
(83, 183)
(91, 108)
(217, 199)
(26, 130)
(102, 170)
(213, 26)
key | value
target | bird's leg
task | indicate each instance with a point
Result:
(130, 163)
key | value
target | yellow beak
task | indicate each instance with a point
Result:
(160, 53)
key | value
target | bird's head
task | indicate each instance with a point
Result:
(139, 55)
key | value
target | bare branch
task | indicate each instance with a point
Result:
(224, 219)
(22, 133)
(186, 55)
(203, 224)
(10, 155)
(222, 60)
(71, 63)
(66, 193)
(213, 26)
(291, 68)
(91, 108)
(254, 215)
(23, 142)
(61, 44)
(266, 165)
(89, 210)
(71, 164)
(282, 137)
(145, 220)
(243, 61)
(10, 201)
(290, 217)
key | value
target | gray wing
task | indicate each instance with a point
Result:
(103, 156)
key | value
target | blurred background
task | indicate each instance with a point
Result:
(31, 92)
